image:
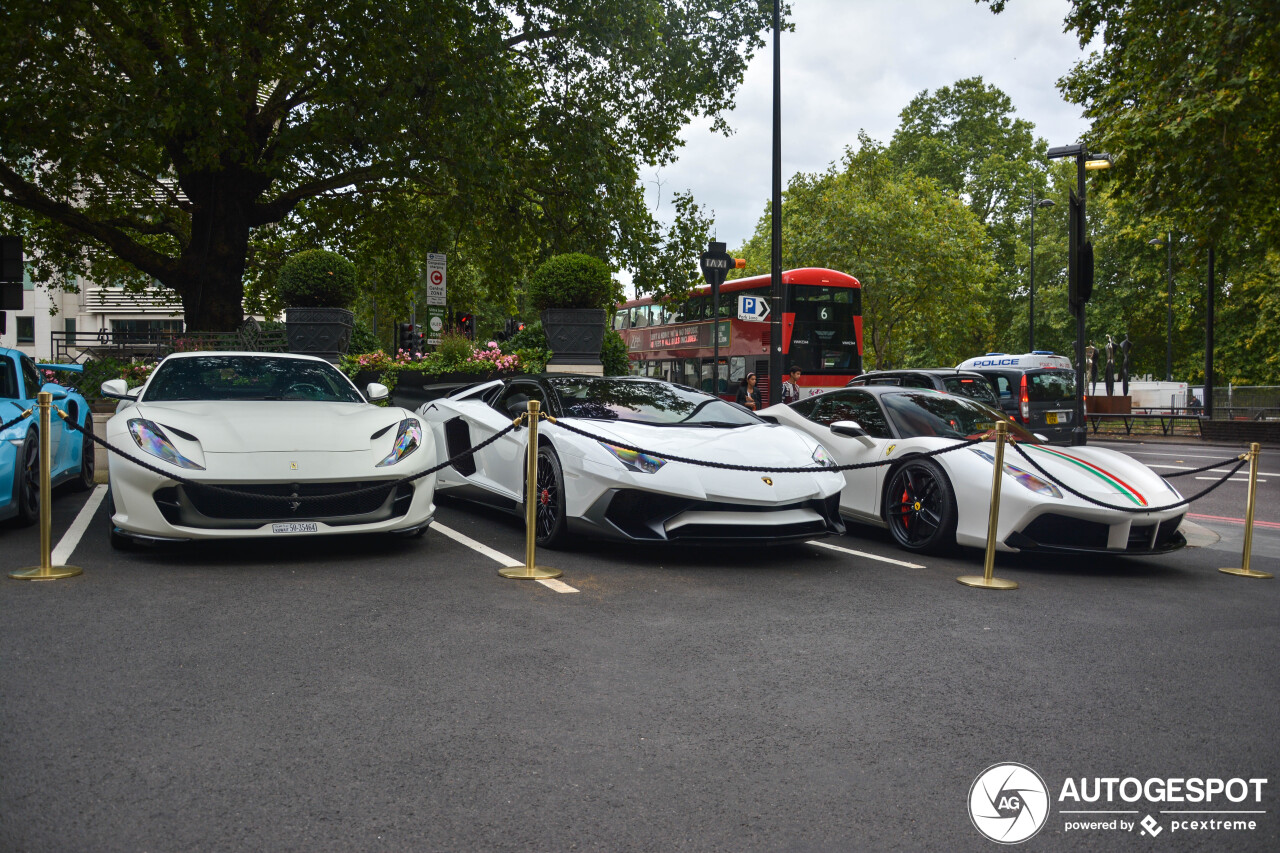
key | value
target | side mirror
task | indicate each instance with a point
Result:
(376, 391)
(517, 405)
(59, 392)
(849, 429)
(1041, 437)
(116, 389)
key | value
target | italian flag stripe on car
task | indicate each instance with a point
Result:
(1128, 491)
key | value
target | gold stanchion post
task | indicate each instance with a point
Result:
(988, 580)
(46, 571)
(1244, 571)
(531, 570)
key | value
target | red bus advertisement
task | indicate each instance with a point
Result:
(821, 333)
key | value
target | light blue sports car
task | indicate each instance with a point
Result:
(20, 380)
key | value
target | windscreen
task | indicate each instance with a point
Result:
(645, 402)
(823, 338)
(244, 377)
(977, 389)
(1051, 386)
(945, 415)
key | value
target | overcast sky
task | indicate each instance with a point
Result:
(854, 65)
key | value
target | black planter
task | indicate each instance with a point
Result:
(574, 335)
(323, 332)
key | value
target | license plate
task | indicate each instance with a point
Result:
(295, 527)
(1051, 418)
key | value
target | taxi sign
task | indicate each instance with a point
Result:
(1025, 361)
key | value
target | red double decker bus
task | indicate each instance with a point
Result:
(821, 332)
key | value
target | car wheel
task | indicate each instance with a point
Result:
(84, 481)
(549, 513)
(119, 542)
(27, 479)
(920, 507)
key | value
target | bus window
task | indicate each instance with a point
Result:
(737, 370)
(635, 317)
(620, 319)
(816, 293)
(699, 309)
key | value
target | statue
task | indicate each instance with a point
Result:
(1110, 376)
(1091, 367)
(1125, 346)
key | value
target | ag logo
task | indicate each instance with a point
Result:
(1008, 803)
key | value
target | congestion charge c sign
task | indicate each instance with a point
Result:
(1008, 803)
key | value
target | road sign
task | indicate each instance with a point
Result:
(435, 324)
(753, 308)
(715, 264)
(436, 280)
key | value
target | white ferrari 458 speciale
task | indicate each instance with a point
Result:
(262, 445)
(597, 483)
(934, 504)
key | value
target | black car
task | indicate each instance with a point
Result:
(962, 382)
(1036, 389)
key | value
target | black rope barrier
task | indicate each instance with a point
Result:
(1134, 510)
(764, 469)
(16, 420)
(386, 486)
(1208, 467)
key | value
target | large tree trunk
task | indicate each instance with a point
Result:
(211, 270)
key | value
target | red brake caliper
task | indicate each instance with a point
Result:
(906, 523)
(545, 497)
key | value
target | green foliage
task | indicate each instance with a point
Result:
(363, 340)
(614, 354)
(572, 280)
(202, 143)
(1186, 94)
(316, 278)
(667, 271)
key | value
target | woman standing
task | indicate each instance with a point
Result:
(747, 393)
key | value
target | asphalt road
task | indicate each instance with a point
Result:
(370, 694)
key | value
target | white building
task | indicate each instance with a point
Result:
(54, 324)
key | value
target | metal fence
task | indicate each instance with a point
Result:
(1246, 402)
(77, 347)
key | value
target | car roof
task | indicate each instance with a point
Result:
(201, 353)
(932, 371)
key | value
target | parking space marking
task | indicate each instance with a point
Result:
(67, 544)
(1232, 480)
(496, 556)
(1272, 525)
(865, 554)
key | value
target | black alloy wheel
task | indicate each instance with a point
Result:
(920, 507)
(549, 513)
(26, 481)
(84, 481)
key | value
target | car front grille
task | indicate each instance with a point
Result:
(241, 505)
(1052, 531)
(643, 515)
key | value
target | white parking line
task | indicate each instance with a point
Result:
(496, 556)
(865, 554)
(67, 544)
(1211, 470)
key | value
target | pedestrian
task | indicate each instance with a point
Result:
(747, 393)
(791, 387)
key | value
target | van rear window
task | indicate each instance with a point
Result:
(1052, 386)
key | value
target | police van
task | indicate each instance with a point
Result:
(1037, 389)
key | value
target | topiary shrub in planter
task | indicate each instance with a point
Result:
(318, 289)
(572, 292)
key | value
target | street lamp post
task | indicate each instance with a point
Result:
(1031, 334)
(1168, 348)
(1080, 264)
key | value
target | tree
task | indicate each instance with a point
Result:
(921, 256)
(167, 136)
(1186, 95)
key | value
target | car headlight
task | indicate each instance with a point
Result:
(633, 461)
(152, 439)
(1024, 478)
(408, 439)
(823, 458)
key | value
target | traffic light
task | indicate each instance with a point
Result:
(419, 339)
(510, 329)
(405, 337)
(467, 325)
(1079, 257)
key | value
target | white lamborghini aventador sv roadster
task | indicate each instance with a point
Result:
(615, 476)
